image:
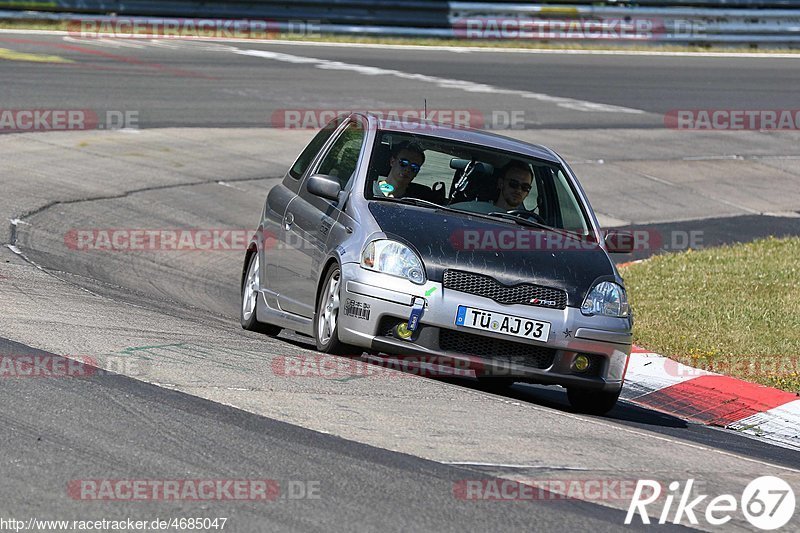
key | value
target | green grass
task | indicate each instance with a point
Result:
(32, 25)
(733, 310)
(473, 43)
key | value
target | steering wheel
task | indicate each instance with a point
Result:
(524, 213)
(471, 167)
(466, 175)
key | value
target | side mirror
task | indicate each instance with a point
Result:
(324, 186)
(619, 242)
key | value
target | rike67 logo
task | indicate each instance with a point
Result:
(768, 503)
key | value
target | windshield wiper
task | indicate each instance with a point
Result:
(532, 223)
(495, 214)
(419, 202)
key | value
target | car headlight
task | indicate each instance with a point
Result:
(393, 258)
(607, 299)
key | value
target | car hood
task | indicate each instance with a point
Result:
(509, 253)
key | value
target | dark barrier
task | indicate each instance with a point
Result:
(415, 13)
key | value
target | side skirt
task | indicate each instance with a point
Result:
(269, 313)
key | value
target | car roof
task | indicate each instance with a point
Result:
(461, 134)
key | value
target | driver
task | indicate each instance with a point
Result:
(405, 162)
(514, 186)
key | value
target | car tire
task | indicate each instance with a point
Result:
(592, 402)
(248, 310)
(326, 316)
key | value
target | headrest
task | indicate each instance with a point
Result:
(381, 163)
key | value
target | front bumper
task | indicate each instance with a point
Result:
(373, 303)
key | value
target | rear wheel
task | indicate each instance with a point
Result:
(326, 317)
(592, 402)
(249, 307)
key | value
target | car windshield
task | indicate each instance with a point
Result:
(474, 179)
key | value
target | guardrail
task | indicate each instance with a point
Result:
(685, 25)
(657, 21)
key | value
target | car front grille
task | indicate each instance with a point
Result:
(523, 293)
(496, 349)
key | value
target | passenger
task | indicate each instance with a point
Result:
(405, 162)
(514, 186)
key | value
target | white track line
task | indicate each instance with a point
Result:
(445, 83)
(524, 467)
(105, 43)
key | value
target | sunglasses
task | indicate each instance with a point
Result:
(405, 163)
(514, 184)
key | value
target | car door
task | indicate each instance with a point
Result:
(277, 256)
(312, 218)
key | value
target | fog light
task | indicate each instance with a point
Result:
(401, 330)
(581, 363)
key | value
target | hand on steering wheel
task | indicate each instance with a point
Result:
(524, 213)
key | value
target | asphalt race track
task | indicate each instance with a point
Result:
(190, 395)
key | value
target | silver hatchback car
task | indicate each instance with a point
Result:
(461, 246)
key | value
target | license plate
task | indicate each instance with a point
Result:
(470, 317)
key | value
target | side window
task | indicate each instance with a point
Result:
(533, 200)
(436, 168)
(313, 148)
(342, 158)
(571, 214)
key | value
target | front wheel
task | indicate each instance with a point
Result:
(326, 317)
(248, 309)
(592, 402)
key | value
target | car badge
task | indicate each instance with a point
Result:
(386, 188)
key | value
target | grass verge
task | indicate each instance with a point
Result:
(733, 310)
